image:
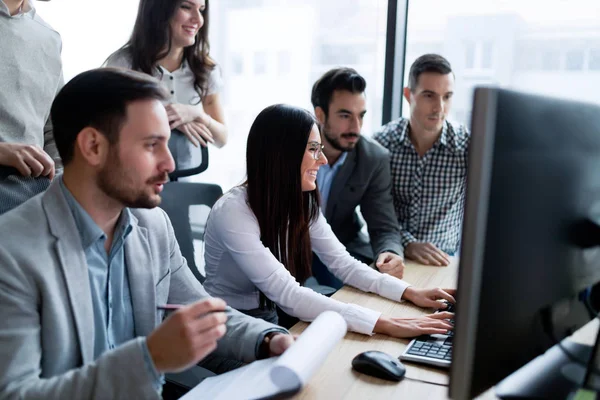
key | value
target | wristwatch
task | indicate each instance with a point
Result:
(263, 349)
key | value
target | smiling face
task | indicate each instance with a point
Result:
(344, 119)
(138, 164)
(186, 23)
(310, 166)
(430, 101)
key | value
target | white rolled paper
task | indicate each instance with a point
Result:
(273, 376)
(296, 366)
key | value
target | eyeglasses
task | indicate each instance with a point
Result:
(316, 149)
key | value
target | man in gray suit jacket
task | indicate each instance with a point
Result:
(86, 264)
(357, 174)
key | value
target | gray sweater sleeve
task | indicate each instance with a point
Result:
(49, 142)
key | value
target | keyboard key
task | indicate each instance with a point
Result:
(438, 356)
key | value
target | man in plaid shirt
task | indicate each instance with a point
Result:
(428, 164)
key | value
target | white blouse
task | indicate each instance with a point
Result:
(179, 83)
(238, 265)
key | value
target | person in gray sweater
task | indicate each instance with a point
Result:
(30, 77)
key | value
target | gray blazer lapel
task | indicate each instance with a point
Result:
(140, 265)
(338, 184)
(74, 266)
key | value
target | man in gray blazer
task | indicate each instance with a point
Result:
(357, 174)
(86, 264)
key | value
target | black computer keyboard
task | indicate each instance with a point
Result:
(431, 349)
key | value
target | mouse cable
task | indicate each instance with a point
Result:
(424, 381)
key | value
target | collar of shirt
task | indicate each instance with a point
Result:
(325, 178)
(180, 84)
(340, 161)
(165, 72)
(326, 170)
(26, 10)
(89, 231)
(405, 139)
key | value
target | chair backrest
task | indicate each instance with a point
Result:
(177, 197)
(180, 173)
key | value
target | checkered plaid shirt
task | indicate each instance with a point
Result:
(429, 192)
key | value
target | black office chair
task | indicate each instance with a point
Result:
(177, 197)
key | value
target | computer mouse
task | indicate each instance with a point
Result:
(380, 365)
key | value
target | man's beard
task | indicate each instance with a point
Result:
(116, 184)
(335, 142)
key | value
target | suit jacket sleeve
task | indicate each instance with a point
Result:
(117, 374)
(244, 333)
(111, 376)
(377, 208)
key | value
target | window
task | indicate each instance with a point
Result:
(574, 60)
(286, 45)
(510, 43)
(269, 51)
(469, 55)
(594, 63)
(527, 57)
(338, 54)
(487, 54)
(479, 54)
(550, 60)
(284, 63)
(237, 64)
(260, 63)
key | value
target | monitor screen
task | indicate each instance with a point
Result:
(528, 242)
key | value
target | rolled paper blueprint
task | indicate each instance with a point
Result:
(299, 362)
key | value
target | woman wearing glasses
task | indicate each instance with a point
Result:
(170, 41)
(260, 236)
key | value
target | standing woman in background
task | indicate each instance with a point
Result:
(170, 41)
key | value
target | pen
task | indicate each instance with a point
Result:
(175, 307)
(169, 307)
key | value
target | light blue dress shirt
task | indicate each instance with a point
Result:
(109, 282)
(325, 178)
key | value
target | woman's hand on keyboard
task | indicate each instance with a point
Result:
(411, 327)
(429, 298)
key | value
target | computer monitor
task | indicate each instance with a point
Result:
(530, 235)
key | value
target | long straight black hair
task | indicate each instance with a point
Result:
(276, 146)
(151, 41)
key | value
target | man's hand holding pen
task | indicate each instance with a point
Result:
(188, 335)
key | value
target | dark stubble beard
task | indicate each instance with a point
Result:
(335, 142)
(117, 184)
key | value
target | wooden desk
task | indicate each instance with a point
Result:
(336, 379)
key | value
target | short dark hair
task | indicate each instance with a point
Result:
(427, 63)
(98, 98)
(336, 79)
(276, 146)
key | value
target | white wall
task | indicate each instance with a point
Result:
(90, 29)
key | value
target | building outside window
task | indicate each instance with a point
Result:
(510, 43)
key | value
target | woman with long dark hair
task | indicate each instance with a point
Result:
(170, 41)
(260, 236)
